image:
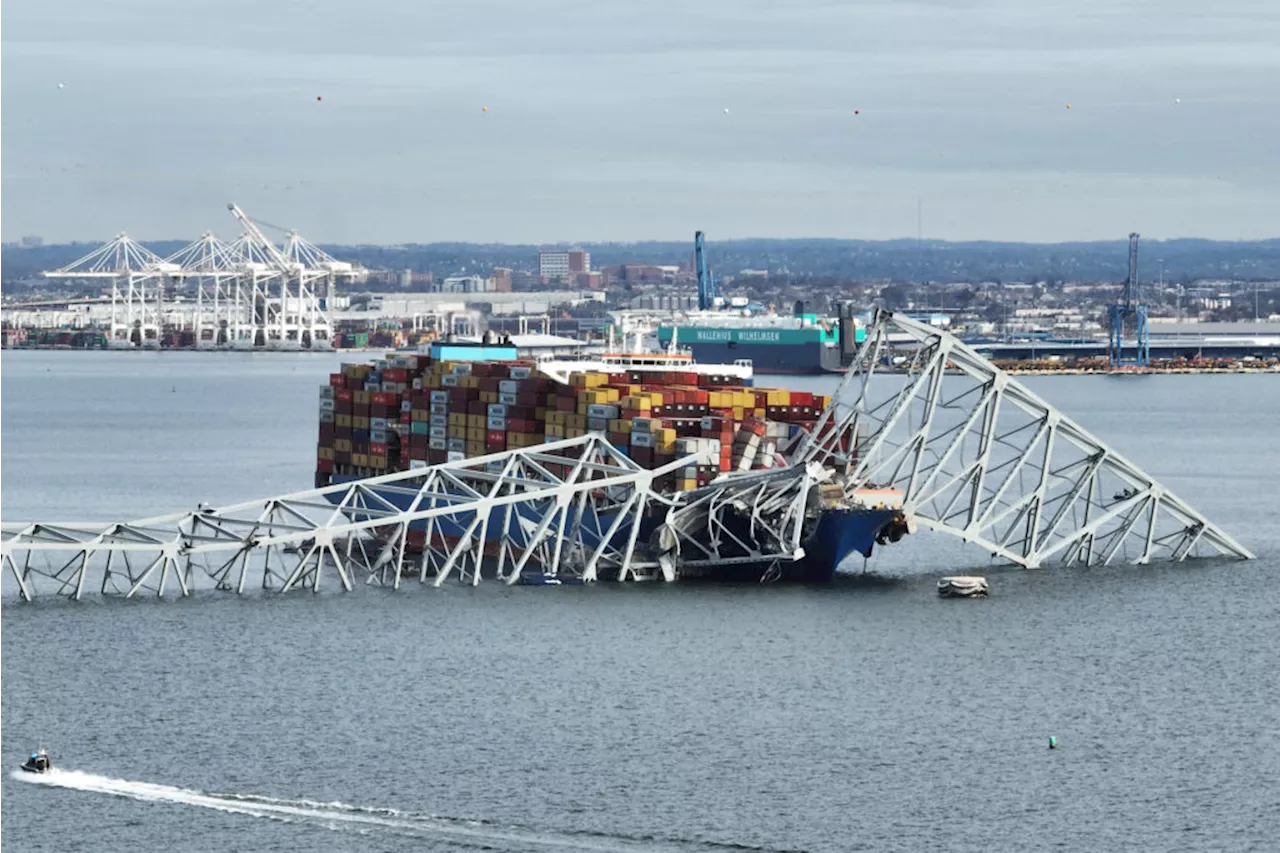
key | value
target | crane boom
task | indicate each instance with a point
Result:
(706, 289)
(261, 239)
(1132, 294)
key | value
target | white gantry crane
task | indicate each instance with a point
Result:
(245, 294)
(973, 452)
(138, 278)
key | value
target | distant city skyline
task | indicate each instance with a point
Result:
(576, 123)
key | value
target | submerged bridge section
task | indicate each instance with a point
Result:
(575, 510)
(980, 456)
(975, 454)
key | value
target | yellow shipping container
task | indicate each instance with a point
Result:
(777, 397)
(667, 435)
(475, 448)
(759, 413)
(738, 413)
(620, 426)
(540, 413)
(342, 420)
(477, 422)
(582, 405)
(579, 422)
(360, 460)
(555, 431)
(324, 452)
(343, 444)
(574, 432)
(457, 430)
(458, 419)
(377, 461)
(359, 422)
(475, 434)
(362, 398)
(469, 381)
(488, 396)
(637, 403)
(430, 382)
(688, 485)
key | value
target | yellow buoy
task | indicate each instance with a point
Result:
(484, 109)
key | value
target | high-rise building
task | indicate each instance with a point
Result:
(559, 264)
(502, 279)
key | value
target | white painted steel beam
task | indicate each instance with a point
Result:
(981, 457)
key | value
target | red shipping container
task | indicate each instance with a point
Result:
(337, 380)
(343, 395)
(377, 448)
(324, 466)
(437, 457)
(326, 435)
(395, 374)
(496, 438)
(342, 457)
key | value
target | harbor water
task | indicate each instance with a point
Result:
(867, 714)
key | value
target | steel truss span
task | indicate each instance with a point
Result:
(974, 453)
(570, 510)
(981, 457)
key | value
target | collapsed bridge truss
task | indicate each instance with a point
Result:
(974, 453)
(980, 456)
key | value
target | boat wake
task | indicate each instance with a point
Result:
(364, 819)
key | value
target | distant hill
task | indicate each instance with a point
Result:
(889, 260)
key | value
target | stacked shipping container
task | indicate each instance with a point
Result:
(409, 411)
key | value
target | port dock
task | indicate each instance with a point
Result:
(971, 451)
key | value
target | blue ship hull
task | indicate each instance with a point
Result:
(791, 359)
(837, 534)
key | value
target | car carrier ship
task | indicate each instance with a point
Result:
(463, 401)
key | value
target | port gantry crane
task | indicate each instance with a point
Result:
(1130, 310)
(708, 293)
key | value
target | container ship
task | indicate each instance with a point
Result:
(464, 401)
(795, 345)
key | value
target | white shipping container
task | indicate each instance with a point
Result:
(598, 424)
(521, 372)
(326, 392)
(439, 432)
(507, 399)
(437, 443)
(600, 411)
(439, 420)
(497, 424)
(449, 381)
(641, 439)
(326, 405)
(640, 425)
(439, 408)
(508, 386)
(417, 463)
(406, 405)
(440, 396)
(497, 410)
(377, 423)
(462, 369)
(326, 417)
(459, 444)
(456, 456)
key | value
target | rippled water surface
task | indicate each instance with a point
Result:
(867, 714)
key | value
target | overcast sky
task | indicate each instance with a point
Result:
(606, 120)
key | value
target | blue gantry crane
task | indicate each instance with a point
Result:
(708, 291)
(1131, 313)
